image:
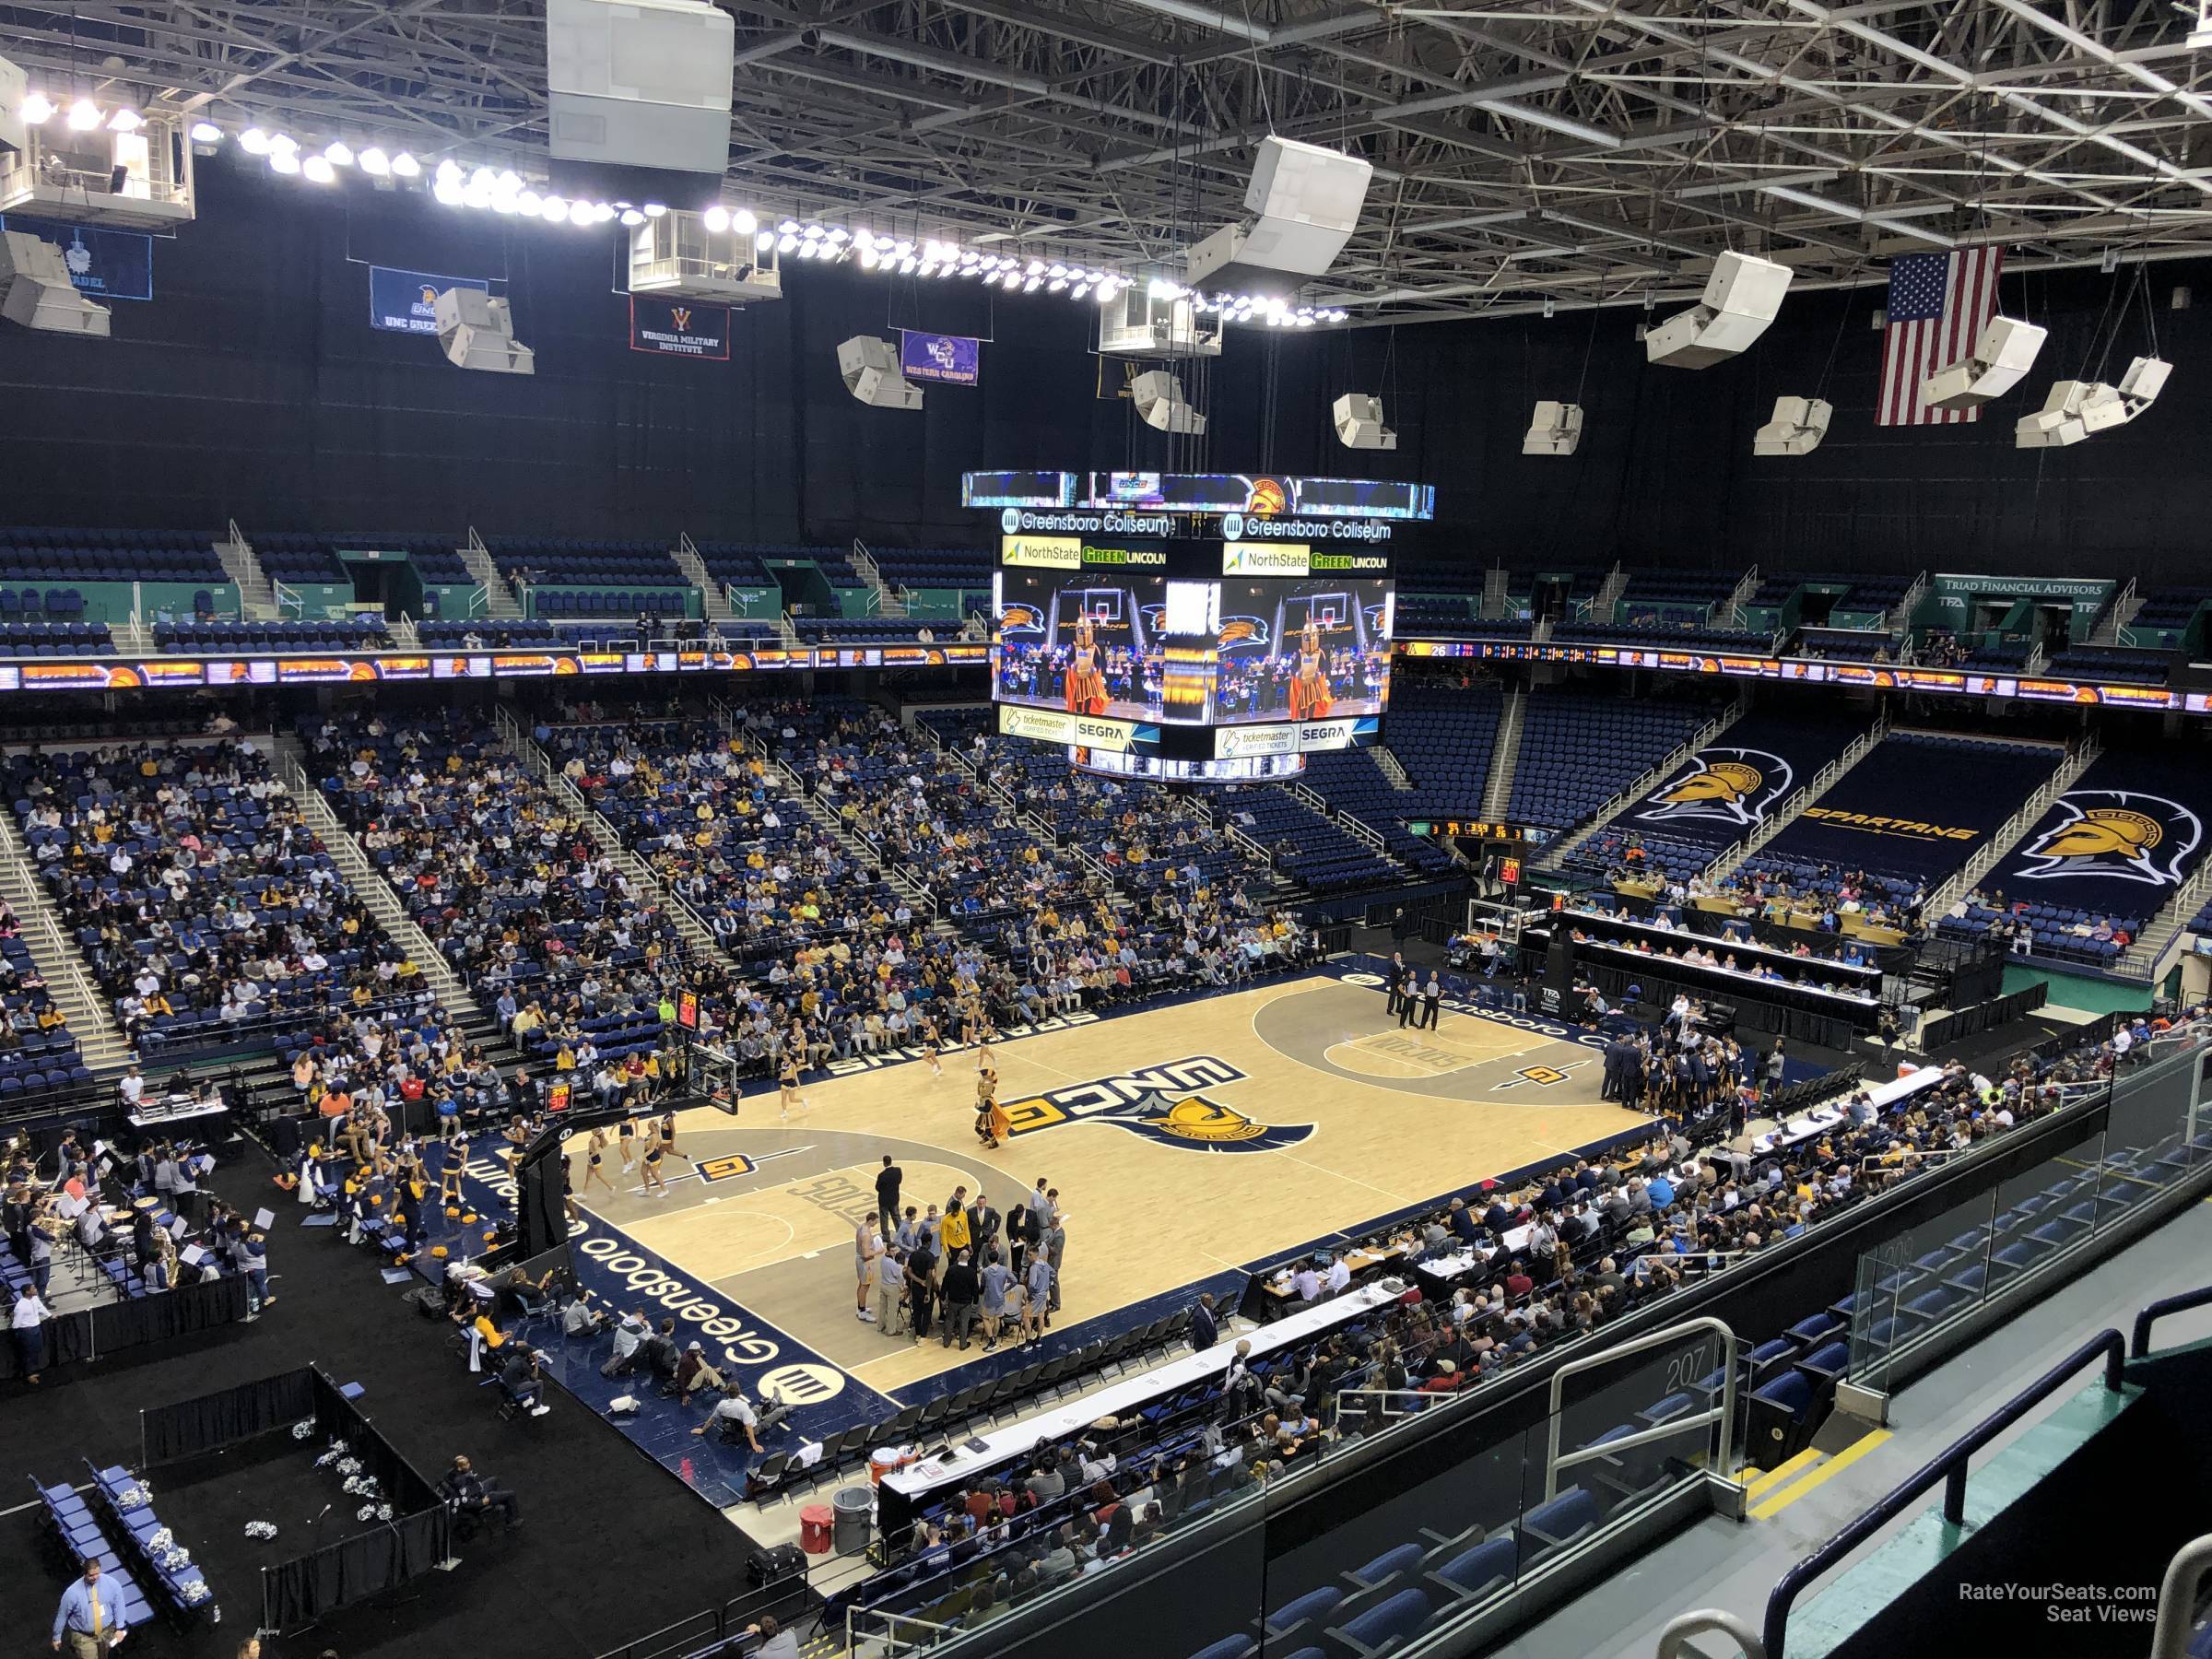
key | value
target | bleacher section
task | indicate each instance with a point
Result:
(495, 868)
(63, 556)
(2108, 854)
(737, 564)
(1720, 794)
(36, 1049)
(934, 566)
(1579, 750)
(2111, 663)
(247, 924)
(642, 574)
(1352, 781)
(1662, 636)
(1311, 850)
(1445, 739)
(2170, 619)
(55, 640)
(245, 639)
(1668, 599)
(296, 556)
(1905, 818)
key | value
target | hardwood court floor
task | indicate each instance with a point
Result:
(1183, 1142)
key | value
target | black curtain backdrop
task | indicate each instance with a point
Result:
(94, 1332)
(253, 387)
(213, 1422)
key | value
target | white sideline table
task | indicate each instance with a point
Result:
(917, 1481)
(1799, 1130)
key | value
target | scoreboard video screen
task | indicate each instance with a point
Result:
(1173, 658)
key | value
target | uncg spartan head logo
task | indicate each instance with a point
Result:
(1727, 785)
(2114, 832)
(1162, 1105)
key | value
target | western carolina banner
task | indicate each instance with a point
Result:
(679, 327)
(103, 265)
(949, 359)
(406, 302)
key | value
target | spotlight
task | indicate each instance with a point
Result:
(483, 179)
(284, 160)
(202, 131)
(716, 219)
(601, 212)
(742, 222)
(581, 213)
(868, 261)
(126, 119)
(632, 217)
(318, 170)
(1082, 288)
(1013, 279)
(529, 202)
(405, 166)
(285, 143)
(654, 209)
(1032, 285)
(374, 162)
(447, 191)
(1056, 285)
(38, 110)
(788, 227)
(84, 115)
(338, 153)
(906, 265)
(553, 210)
(1036, 267)
(764, 239)
(786, 243)
(1557, 428)
(448, 171)
(812, 233)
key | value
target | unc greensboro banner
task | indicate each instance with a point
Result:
(103, 265)
(947, 359)
(406, 302)
(679, 328)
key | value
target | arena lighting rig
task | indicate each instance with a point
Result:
(1192, 627)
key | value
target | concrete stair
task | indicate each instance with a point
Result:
(1392, 768)
(256, 594)
(1505, 757)
(69, 980)
(888, 603)
(716, 605)
(500, 602)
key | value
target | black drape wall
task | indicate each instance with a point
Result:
(253, 387)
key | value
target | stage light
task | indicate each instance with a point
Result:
(284, 160)
(943, 270)
(483, 179)
(283, 143)
(1555, 430)
(319, 170)
(405, 166)
(1056, 285)
(1012, 280)
(788, 227)
(812, 233)
(632, 218)
(654, 209)
(742, 222)
(579, 213)
(1036, 267)
(38, 110)
(1107, 290)
(126, 119)
(374, 162)
(786, 243)
(764, 239)
(868, 261)
(1032, 285)
(929, 267)
(838, 233)
(553, 210)
(2005, 352)
(508, 182)
(1056, 271)
(1082, 288)
(716, 219)
(1796, 429)
(529, 202)
(449, 171)
(805, 250)
(338, 153)
(84, 115)
(601, 212)
(903, 247)
(202, 131)
(1741, 298)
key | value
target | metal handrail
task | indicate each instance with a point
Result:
(1725, 1414)
(1709, 1621)
(1949, 1466)
(2140, 1342)
(2178, 1594)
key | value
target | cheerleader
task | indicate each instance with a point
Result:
(932, 1047)
(594, 1157)
(788, 1093)
(654, 1183)
(449, 1172)
(625, 1142)
(669, 1140)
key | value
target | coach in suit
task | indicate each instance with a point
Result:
(1399, 974)
(1204, 1331)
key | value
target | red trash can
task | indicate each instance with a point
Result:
(816, 1522)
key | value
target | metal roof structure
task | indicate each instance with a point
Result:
(1574, 151)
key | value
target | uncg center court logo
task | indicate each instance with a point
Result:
(1162, 1103)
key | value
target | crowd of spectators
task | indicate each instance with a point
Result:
(201, 901)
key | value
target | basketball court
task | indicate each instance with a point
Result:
(1185, 1143)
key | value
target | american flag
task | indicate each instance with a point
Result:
(1938, 304)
